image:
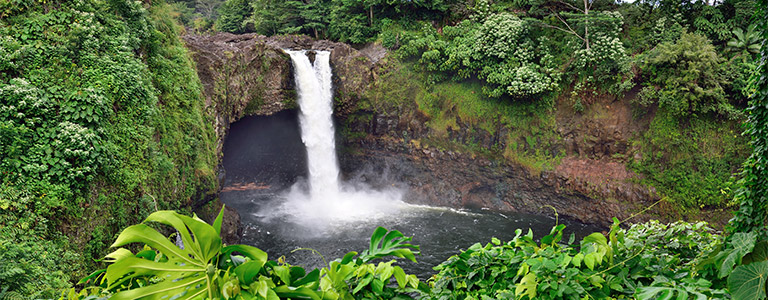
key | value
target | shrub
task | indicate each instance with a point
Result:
(689, 77)
(637, 262)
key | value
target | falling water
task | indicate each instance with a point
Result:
(315, 100)
(323, 202)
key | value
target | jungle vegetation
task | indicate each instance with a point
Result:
(101, 119)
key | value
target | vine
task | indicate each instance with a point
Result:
(753, 194)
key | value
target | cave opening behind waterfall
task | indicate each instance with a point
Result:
(264, 153)
(264, 158)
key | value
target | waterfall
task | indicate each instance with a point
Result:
(315, 93)
(326, 202)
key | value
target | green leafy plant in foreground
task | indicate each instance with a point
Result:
(204, 268)
(646, 261)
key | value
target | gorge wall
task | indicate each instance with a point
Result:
(250, 75)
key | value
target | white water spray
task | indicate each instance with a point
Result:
(327, 201)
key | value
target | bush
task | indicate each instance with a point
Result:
(31, 266)
(690, 161)
(689, 77)
(102, 112)
(497, 50)
(643, 260)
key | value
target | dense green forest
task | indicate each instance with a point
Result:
(102, 119)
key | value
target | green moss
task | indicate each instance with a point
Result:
(448, 105)
(255, 103)
(290, 99)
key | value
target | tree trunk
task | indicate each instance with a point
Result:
(586, 23)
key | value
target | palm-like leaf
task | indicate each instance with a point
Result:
(385, 243)
(183, 274)
(179, 273)
(746, 42)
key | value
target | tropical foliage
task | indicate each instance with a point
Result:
(101, 119)
(646, 261)
(753, 192)
(687, 77)
(202, 267)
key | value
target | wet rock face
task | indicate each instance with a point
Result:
(601, 131)
(587, 185)
(250, 74)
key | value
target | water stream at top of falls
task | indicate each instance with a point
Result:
(315, 92)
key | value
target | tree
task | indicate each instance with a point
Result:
(207, 8)
(314, 15)
(688, 77)
(232, 16)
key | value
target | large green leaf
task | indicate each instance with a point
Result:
(182, 288)
(171, 218)
(384, 243)
(247, 272)
(248, 251)
(296, 293)
(741, 243)
(666, 293)
(219, 220)
(141, 233)
(180, 273)
(747, 282)
(759, 253)
(527, 286)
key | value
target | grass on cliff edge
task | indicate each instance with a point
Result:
(525, 130)
(692, 161)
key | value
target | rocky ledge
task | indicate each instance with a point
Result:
(251, 75)
(463, 180)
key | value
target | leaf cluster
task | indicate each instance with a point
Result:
(202, 267)
(637, 262)
(100, 119)
(689, 77)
